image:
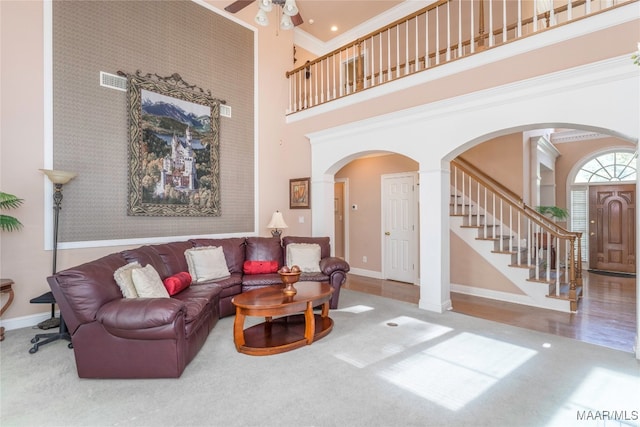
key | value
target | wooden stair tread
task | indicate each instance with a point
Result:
(518, 254)
(521, 266)
(564, 292)
(494, 239)
(543, 280)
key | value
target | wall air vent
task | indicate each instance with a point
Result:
(225, 110)
(112, 81)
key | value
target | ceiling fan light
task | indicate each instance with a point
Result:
(265, 5)
(261, 18)
(290, 8)
(286, 23)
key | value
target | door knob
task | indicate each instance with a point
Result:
(592, 234)
(593, 221)
(387, 233)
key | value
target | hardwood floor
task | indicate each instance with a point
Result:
(606, 314)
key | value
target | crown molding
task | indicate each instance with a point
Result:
(574, 136)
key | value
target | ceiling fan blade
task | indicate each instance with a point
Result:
(297, 20)
(238, 5)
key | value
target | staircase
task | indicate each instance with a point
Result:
(535, 254)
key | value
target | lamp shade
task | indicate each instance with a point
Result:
(261, 18)
(265, 5)
(290, 8)
(286, 23)
(59, 177)
(277, 221)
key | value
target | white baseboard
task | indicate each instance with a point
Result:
(26, 321)
(491, 294)
(366, 273)
(554, 304)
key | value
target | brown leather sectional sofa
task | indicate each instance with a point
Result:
(117, 337)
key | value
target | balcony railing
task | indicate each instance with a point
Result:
(439, 33)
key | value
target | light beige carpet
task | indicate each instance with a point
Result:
(386, 363)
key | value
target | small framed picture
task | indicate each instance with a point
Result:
(299, 193)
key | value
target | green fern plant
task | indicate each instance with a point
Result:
(553, 211)
(9, 201)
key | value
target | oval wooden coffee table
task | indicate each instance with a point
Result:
(289, 331)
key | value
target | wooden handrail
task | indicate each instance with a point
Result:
(462, 163)
(514, 200)
(427, 9)
(371, 34)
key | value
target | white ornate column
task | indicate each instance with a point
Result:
(435, 283)
(322, 188)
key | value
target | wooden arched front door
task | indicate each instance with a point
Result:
(612, 228)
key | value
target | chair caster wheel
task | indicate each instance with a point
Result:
(33, 349)
(34, 340)
(70, 345)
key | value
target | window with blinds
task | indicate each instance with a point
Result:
(580, 216)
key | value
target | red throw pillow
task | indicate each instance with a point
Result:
(260, 267)
(177, 283)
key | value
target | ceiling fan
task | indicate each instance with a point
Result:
(290, 14)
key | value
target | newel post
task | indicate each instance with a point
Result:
(579, 261)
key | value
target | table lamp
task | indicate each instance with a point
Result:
(277, 224)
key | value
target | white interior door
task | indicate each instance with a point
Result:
(399, 226)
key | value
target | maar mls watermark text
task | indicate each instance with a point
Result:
(605, 415)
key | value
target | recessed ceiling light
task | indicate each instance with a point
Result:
(311, 21)
(334, 28)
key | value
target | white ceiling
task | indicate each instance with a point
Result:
(320, 16)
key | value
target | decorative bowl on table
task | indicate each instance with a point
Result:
(289, 276)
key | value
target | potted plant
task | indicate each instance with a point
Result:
(553, 212)
(9, 201)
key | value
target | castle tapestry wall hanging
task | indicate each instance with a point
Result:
(174, 159)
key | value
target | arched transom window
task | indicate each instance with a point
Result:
(611, 167)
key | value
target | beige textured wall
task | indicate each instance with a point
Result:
(90, 129)
(365, 190)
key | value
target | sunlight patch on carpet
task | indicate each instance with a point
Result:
(458, 370)
(376, 342)
(603, 398)
(356, 309)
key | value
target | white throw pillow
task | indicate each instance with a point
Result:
(304, 255)
(148, 283)
(207, 263)
(124, 280)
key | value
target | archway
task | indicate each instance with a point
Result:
(382, 216)
(434, 134)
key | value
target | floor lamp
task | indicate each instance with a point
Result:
(58, 178)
